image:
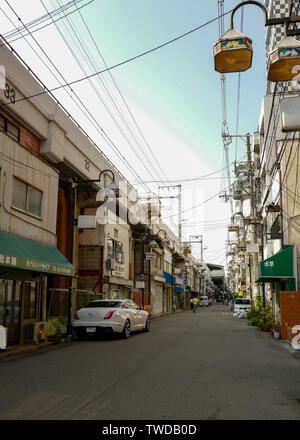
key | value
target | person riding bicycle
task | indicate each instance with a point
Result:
(195, 303)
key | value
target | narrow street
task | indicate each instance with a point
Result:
(204, 365)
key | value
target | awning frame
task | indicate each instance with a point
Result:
(261, 269)
(22, 253)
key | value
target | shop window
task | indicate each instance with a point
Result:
(2, 302)
(26, 198)
(30, 299)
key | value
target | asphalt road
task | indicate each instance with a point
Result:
(191, 366)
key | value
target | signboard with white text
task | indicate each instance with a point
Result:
(150, 256)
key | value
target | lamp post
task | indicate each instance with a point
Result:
(233, 51)
(112, 190)
(152, 243)
(164, 241)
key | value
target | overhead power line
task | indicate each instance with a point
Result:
(100, 129)
(118, 64)
(9, 35)
(121, 95)
(85, 50)
(196, 206)
(192, 179)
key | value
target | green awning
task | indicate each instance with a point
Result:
(21, 253)
(279, 266)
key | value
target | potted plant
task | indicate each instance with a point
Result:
(254, 313)
(277, 330)
(252, 316)
(267, 320)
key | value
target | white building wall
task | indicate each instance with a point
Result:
(16, 161)
(62, 139)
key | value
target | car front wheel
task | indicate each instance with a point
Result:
(147, 324)
(126, 329)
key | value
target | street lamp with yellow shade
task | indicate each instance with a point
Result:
(285, 60)
(233, 52)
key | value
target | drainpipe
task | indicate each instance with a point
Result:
(280, 198)
(143, 271)
(73, 220)
(173, 286)
(262, 258)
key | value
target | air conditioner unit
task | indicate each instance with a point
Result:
(36, 332)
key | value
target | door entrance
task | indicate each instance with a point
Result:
(10, 307)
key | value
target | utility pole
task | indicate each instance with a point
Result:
(198, 239)
(179, 215)
(179, 197)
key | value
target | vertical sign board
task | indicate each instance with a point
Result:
(167, 256)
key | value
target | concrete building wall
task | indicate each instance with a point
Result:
(62, 139)
(291, 191)
(122, 234)
(16, 161)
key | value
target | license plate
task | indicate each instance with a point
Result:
(91, 329)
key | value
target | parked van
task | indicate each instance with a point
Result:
(241, 304)
(204, 301)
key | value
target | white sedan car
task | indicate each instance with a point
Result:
(111, 315)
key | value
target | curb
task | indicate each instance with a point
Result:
(295, 353)
(160, 315)
(35, 349)
(28, 350)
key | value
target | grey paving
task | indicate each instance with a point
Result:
(199, 366)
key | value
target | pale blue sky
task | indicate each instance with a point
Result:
(174, 93)
(178, 82)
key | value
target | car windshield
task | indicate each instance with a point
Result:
(94, 304)
(242, 301)
(203, 298)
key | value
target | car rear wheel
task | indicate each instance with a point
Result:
(126, 329)
(148, 324)
(81, 334)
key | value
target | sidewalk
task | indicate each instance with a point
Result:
(288, 345)
(16, 351)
